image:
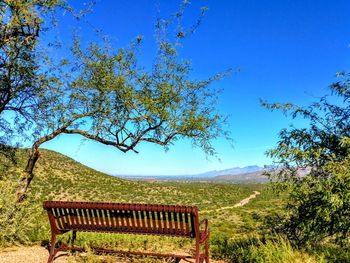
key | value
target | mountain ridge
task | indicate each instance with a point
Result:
(212, 173)
(247, 174)
(232, 171)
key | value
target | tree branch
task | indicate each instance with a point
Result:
(122, 147)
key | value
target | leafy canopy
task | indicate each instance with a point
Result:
(20, 78)
(23, 66)
(108, 97)
(103, 94)
(318, 206)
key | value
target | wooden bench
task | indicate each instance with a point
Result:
(148, 219)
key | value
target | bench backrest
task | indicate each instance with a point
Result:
(169, 220)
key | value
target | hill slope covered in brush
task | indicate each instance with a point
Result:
(62, 178)
(58, 177)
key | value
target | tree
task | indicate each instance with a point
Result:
(23, 67)
(21, 80)
(19, 31)
(109, 98)
(318, 204)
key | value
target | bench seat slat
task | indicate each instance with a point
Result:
(187, 225)
(182, 229)
(128, 217)
(154, 221)
(148, 220)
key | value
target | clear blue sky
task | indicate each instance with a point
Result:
(288, 51)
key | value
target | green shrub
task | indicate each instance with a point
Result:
(280, 250)
(333, 253)
(18, 222)
(222, 247)
(318, 202)
(254, 250)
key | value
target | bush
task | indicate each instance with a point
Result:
(333, 253)
(252, 249)
(313, 168)
(18, 222)
(319, 207)
(222, 247)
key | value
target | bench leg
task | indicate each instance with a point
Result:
(52, 248)
(74, 236)
(207, 251)
(197, 256)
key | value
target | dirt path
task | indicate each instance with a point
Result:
(38, 254)
(247, 200)
(34, 254)
(239, 204)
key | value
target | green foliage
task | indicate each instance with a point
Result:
(17, 68)
(319, 206)
(24, 70)
(252, 249)
(318, 203)
(21, 80)
(7, 157)
(104, 95)
(17, 221)
(110, 98)
(25, 73)
(333, 253)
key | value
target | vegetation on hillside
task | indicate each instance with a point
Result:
(237, 234)
(62, 178)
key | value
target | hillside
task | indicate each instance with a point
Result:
(61, 178)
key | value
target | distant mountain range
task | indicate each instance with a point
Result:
(248, 174)
(253, 177)
(232, 171)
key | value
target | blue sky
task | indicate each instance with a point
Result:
(287, 51)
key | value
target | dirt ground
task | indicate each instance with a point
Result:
(38, 254)
(34, 254)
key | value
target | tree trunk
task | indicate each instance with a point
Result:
(33, 158)
(28, 174)
(35, 154)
